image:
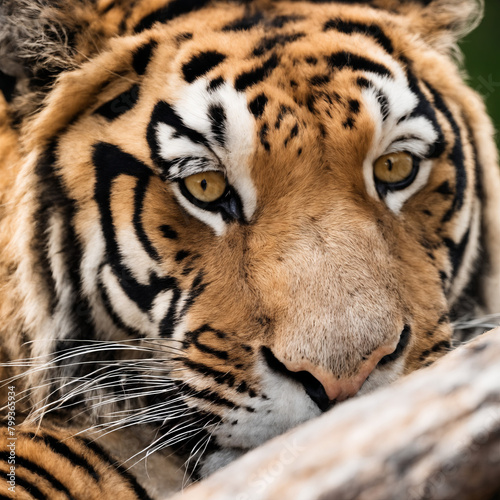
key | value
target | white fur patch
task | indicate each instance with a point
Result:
(212, 219)
(134, 257)
(130, 313)
(471, 251)
(413, 135)
(192, 104)
(396, 199)
(286, 405)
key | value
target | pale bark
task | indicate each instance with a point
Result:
(434, 435)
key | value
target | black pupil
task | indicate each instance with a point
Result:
(389, 165)
(203, 184)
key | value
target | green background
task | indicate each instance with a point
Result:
(482, 59)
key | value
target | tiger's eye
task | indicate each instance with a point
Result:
(206, 186)
(393, 167)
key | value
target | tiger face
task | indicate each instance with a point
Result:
(284, 199)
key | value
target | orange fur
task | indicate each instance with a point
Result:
(322, 274)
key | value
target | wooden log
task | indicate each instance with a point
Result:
(434, 435)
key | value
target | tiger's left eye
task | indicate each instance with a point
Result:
(206, 186)
(394, 168)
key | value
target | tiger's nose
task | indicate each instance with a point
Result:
(324, 387)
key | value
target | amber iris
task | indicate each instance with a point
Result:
(393, 168)
(206, 186)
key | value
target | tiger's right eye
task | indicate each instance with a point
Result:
(393, 168)
(206, 187)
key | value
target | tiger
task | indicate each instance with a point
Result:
(220, 219)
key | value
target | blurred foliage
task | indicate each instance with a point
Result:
(482, 59)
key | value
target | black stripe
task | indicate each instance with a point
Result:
(30, 488)
(218, 376)
(197, 288)
(111, 162)
(210, 396)
(108, 7)
(3, 497)
(264, 130)
(7, 86)
(181, 255)
(245, 23)
(165, 113)
(318, 80)
(456, 155)
(49, 199)
(169, 322)
(168, 232)
(138, 489)
(354, 106)
(444, 189)
(342, 60)
(53, 199)
(217, 117)
(269, 43)
(372, 30)
(115, 318)
(424, 108)
(63, 450)
(174, 9)
(313, 388)
(256, 75)
(363, 83)
(194, 336)
(140, 193)
(183, 37)
(142, 57)
(201, 64)
(456, 251)
(258, 105)
(443, 344)
(284, 110)
(120, 104)
(215, 84)
(403, 342)
(280, 21)
(39, 471)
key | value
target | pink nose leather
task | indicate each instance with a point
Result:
(339, 389)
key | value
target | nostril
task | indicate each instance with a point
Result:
(313, 387)
(403, 342)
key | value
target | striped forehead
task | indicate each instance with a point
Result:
(217, 103)
(205, 127)
(212, 125)
(215, 87)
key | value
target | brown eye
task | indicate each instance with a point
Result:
(394, 168)
(206, 186)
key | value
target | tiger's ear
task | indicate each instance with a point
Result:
(442, 23)
(39, 40)
(35, 46)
